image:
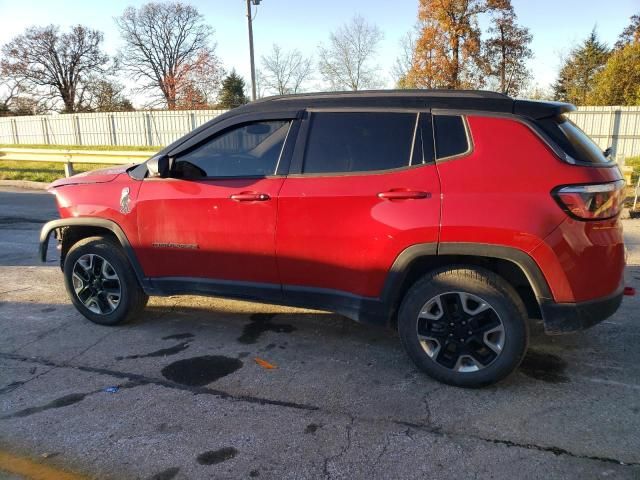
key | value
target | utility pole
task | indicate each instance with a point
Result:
(253, 65)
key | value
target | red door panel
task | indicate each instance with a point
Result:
(217, 229)
(341, 233)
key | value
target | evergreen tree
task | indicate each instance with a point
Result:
(232, 92)
(578, 73)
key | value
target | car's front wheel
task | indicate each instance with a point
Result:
(464, 326)
(101, 282)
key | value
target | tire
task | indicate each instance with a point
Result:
(472, 329)
(105, 288)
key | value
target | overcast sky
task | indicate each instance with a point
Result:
(555, 24)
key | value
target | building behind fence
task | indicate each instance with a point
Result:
(616, 127)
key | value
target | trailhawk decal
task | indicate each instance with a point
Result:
(188, 246)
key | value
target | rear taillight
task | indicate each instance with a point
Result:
(591, 202)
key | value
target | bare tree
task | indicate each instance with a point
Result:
(347, 61)
(10, 90)
(169, 46)
(285, 71)
(55, 66)
(404, 62)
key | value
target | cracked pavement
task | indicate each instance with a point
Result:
(343, 402)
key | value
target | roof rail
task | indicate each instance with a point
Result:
(426, 93)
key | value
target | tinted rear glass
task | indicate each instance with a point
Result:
(359, 142)
(450, 134)
(572, 140)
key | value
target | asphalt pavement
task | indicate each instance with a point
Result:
(186, 391)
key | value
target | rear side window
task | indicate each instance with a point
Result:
(572, 140)
(450, 136)
(341, 142)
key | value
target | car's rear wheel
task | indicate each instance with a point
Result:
(464, 326)
(101, 282)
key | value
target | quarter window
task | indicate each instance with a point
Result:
(251, 150)
(450, 134)
(572, 140)
(341, 142)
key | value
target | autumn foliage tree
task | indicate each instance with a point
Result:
(618, 83)
(448, 53)
(169, 47)
(507, 51)
(631, 34)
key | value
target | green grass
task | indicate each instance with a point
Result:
(633, 162)
(40, 171)
(84, 147)
(50, 171)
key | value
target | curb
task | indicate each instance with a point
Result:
(24, 184)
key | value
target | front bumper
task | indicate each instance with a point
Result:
(562, 318)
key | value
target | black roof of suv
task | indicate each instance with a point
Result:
(437, 99)
(460, 100)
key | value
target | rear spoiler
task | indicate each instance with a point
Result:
(537, 109)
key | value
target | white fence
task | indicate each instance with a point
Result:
(118, 128)
(617, 127)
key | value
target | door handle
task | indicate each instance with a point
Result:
(397, 194)
(250, 197)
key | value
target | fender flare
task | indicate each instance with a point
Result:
(110, 225)
(521, 259)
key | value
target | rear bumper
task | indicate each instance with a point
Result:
(562, 318)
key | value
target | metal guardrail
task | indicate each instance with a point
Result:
(69, 157)
(113, 157)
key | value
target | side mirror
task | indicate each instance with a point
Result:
(158, 166)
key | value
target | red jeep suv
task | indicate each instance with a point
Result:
(452, 216)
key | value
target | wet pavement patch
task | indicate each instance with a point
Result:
(260, 323)
(12, 386)
(544, 366)
(167, 474)
(163, 352)
(199, 371)
(254, 473)
(178, 336)
(312, 428)
(217, 456)
(166, 428)
(57, 403)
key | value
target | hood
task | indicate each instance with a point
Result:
(102, 175)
